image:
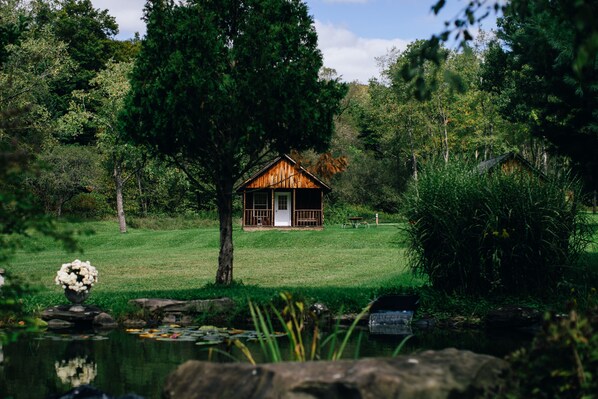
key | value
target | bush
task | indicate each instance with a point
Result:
(562, 361)
(338, 213)
(512, 233)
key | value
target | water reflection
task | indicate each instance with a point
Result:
(76, 372)
(120, 363)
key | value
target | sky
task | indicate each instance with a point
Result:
(351, 33)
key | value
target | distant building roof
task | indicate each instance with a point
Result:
(493, 163)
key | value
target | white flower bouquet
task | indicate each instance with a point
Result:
(77, 276)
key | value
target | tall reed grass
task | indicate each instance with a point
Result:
(479, 233)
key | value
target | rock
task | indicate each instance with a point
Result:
(57, 324)
(425, 323)
(134, 323)
(186, 321)
(319, 309)
(348, 319)
(104, 320)
(89, 392)
(513, 317)
(169, 319)
(449, 373)
(218, 305)
(63, 312)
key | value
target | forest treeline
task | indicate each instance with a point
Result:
(64, 78)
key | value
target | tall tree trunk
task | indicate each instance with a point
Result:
(446, 143)
(59, 207)
(120, 210)
(544, 158)
(413, 156)
(142, 200)
(444, 120)
(224, 275)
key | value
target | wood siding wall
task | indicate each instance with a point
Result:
(283, 175)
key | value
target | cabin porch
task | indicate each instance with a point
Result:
(283, 208)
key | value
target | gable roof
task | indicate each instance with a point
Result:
(283, 172)
(493, 163)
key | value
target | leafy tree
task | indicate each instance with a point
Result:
(14, 21)
(89, 36)
(67, 170)
(85, 29)
(98, 108)
(220, 86)
(27, 76)
(536, 76)
(29, 68)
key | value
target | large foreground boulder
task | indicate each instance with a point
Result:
(449, 373)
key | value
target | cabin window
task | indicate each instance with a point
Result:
(260, 201)
(282, 203)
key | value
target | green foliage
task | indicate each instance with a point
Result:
(295, 319)
(538, 75)
(66, 171)
(480, 233)
(338, 214)
(85, 205)
(562, 361)
(12, 314)
(220, 86)
(188, 221)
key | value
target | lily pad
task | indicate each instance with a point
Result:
(206, 343)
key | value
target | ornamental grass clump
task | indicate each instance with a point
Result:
(77, 276)
(478, 233)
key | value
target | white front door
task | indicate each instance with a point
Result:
(282, 209)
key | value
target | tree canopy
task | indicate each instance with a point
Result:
(219, 86)
(534, 70)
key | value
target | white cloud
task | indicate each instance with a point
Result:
(353, 57)
(127, 13)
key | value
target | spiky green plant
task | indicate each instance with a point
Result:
(475, 233)
(302, 346)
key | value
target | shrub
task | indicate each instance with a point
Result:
(562, 361)
(474, 233)
(338, 213)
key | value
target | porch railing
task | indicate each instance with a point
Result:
(302, 217)
(308, 217)
(258, 217)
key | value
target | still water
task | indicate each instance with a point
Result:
(42, 365)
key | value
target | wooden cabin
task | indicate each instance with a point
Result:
(508, 163)
(283, 195)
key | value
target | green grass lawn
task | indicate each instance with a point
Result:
(343, 267)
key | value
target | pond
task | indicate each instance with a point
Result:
(119, 362)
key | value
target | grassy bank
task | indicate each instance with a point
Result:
(342, 267)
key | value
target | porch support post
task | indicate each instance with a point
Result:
(244, 207)
(293, 209)
(272, 207)
(322, 207)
